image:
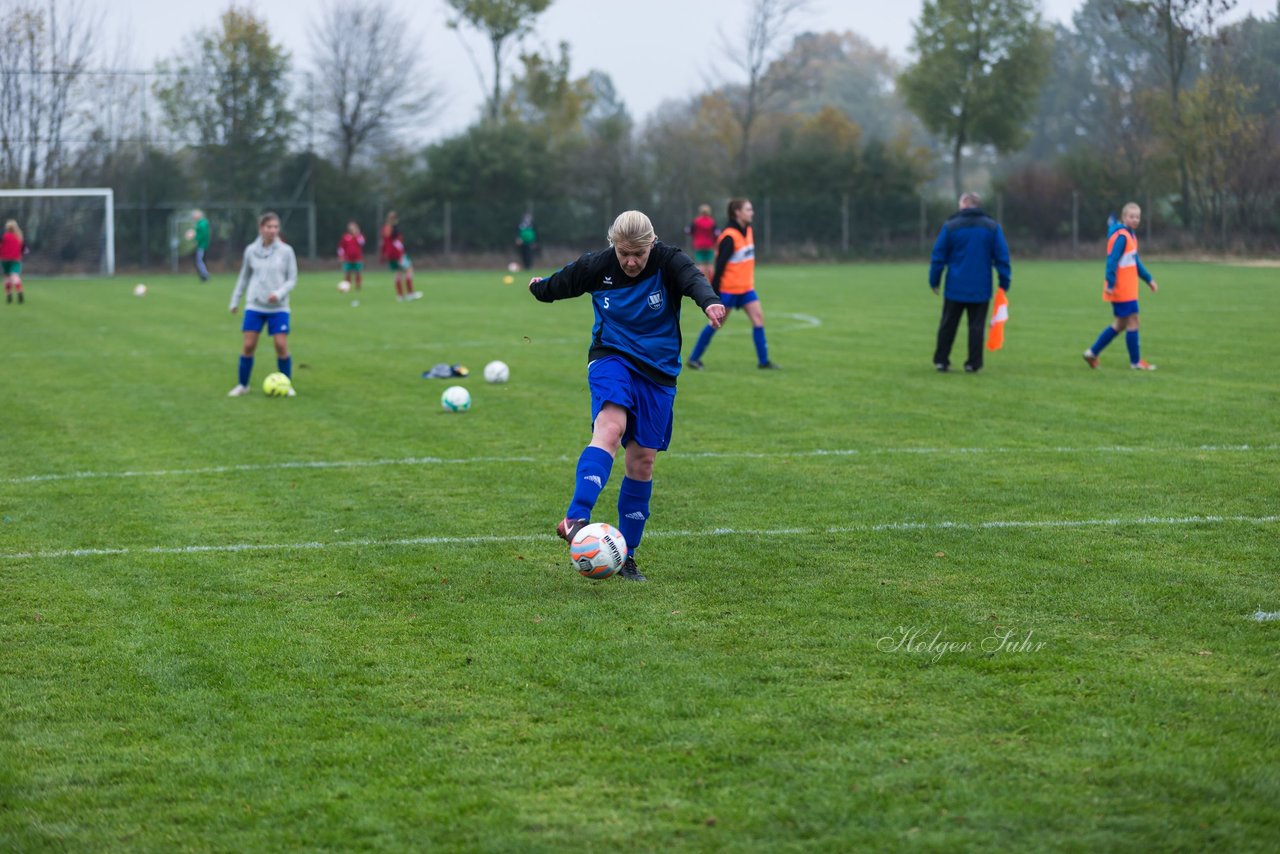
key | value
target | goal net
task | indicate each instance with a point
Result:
(232, 226)
(67, 232)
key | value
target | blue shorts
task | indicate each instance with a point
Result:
(1124, 309)
(649, 405)
(732, 301)
(275, 321)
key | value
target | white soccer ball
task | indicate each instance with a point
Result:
(598, 550)
(496, 372)
(455, 399)
(344, 286)
(139, 290)
(513, 267)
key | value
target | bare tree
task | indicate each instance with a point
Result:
(1173, 30)
(769, 23)
(502, 22)
(372, 82)
(47, 49)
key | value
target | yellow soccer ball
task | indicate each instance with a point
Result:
(277, 385)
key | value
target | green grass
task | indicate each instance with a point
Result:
(398, 656)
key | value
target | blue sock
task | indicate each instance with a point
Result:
(285, 366)
(762, 349)
(633, 510)
(593, 473)
(1108, 335)
(246, 368)
(704, 341)
(1131, 341)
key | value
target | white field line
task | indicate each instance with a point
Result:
(1266, 616)
(714, 532)
(802, 322)
(762, 455)
(250, 467)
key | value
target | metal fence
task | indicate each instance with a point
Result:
(444, 233)
(451, 233)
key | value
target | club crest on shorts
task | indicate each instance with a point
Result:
(655, 300)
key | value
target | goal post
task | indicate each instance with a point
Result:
(67, 229)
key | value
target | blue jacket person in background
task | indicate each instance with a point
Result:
(636, 288)
(969, 245)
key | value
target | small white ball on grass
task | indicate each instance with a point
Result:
(497, 372)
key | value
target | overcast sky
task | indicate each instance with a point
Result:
(668, 50)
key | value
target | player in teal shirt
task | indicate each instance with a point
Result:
(202, 244)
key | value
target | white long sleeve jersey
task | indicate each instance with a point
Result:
(266, 270)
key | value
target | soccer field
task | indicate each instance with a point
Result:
(888, 608)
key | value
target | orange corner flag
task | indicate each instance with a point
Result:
(996, 339)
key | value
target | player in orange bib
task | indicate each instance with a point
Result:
(735, 281)
(1124, 269)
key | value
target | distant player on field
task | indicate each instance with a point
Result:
(636, 286)
(1120, 288)
(268, 274)
(202, 243)
(351, 253)
(702, 238)
(526, 240)
(735, 281)
(11, 249)
(398, 261)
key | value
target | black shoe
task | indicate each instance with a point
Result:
(769, 366)
(21, 298)
(8, 297)
(970, 369)
(696, 364)
(566, 529)
(630, 571)
(941, 367)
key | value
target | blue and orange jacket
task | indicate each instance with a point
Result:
(1124, 267)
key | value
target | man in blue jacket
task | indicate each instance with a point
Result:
(969, 245)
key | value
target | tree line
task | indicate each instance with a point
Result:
(1154, 100)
